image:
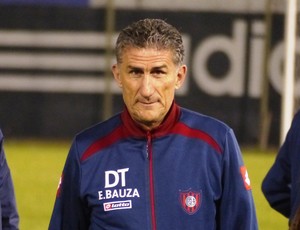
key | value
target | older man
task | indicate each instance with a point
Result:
(155, 165)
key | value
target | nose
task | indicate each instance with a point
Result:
(146, 88)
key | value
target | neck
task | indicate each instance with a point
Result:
(148, 126)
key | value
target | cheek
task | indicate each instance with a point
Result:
(129, 95)
(167, 95)
(168, 89)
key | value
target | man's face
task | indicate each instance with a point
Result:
(148, 78)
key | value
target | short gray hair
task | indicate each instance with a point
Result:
(151, 33)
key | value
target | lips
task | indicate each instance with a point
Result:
(147, 103)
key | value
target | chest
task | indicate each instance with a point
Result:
(133, 178)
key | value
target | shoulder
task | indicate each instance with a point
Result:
(294, 131)
(203, 122)
(296, 119)
(96, 132)
(100, 129)
(213, 129)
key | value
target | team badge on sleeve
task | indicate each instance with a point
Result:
(190, 201)
(245, 176)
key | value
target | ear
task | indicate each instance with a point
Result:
(116, 72)
(181, 74)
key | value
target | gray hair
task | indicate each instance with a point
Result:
(151, 33)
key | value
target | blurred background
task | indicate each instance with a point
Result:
(55, 59)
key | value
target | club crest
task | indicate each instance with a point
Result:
(190, 201)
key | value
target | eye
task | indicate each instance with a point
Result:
(135, 72)
(158, 73)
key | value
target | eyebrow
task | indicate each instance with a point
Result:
(133, 67)
(160, 67)
(154, 68)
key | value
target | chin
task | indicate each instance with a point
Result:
(147, 119)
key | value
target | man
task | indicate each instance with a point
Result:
(281, 185)
(154, 165)
(8, 211)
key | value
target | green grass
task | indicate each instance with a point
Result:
(258, 163)
(36, 167)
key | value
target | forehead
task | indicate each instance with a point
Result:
(147, 56)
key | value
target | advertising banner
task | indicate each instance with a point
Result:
(53, 63)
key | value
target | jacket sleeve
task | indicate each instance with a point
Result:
(237, 209)
(9, 213)
(278, 183)
(69, 211)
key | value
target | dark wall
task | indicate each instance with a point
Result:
(48, 114)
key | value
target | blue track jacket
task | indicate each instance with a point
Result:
(281, 185)
(186, 174)
(8, 210)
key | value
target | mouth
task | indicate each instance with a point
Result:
(147, 104)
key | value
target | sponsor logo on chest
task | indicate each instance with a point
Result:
(112, 180)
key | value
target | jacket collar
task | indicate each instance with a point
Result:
(164, 128)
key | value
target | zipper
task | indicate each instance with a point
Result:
(151, 181)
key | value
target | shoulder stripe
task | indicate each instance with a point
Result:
(183, 129)
(104, 142)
